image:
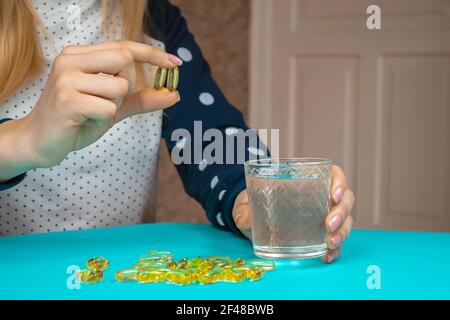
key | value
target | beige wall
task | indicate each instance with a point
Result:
(221, 29)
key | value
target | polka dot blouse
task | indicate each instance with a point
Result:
(112, 182)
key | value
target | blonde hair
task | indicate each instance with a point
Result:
(20, 50)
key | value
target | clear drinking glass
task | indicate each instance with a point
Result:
(289, 200)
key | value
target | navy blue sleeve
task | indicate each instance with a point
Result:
(15, 181)
(214, 185)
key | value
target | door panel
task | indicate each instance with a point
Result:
(415, 147)
(324, 95)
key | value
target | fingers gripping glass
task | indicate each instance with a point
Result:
(289, 200)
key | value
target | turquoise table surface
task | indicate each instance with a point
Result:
(411, 265)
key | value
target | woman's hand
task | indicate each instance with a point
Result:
(89, 89)
(338, 221)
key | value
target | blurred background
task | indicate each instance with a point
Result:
(377, 102)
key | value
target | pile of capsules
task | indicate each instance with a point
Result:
(94, 271)
(159, 266)
(166, 78)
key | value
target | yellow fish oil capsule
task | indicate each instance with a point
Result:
(229, 266)
(219, 260)
(182, 263)
(181, 277)
(194, 262)
(254, 274)
(98, 263)
(250, 272)
(160, 78)
(203, 268)
(89, 276)
(209, 277)
(172, 78)
(150, 276)
(126, 275)
(160, 256)
(172, 265)
(167, 78)
(230, 275)
(264, 264)
(151, 265)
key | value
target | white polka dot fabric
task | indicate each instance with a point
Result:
(206, 98)
(108, 183)
(184, 54)
(219, 219)
(214, 182)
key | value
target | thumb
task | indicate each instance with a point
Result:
(147, 100)
(241, 211)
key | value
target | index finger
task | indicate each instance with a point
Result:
(141, 52)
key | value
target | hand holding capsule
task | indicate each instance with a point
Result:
(89, 89)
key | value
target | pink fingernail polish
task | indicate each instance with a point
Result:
(330, 257)
(174, 59)
(338, 194)
(334, 223)
(336, 240)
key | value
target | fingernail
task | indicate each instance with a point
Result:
(334, 223)
(331, 257)
(179, 97)
(174, 59)
(338, 194)
(335, 240)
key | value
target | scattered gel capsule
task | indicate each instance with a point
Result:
(194, 262)
(230, 265)
(126, 275)
(145, 259)
(182, 263)
(250, 272)
(203, 268)
(161, 256)
(150, 276)
(266, 265)
(151, 265)
(219, 260)
(98, 263)
(159, 266)
(231, 276)
(254, 274)
(209, 277)
(89, 276)
(181, 277)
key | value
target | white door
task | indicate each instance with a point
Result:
(375, 101)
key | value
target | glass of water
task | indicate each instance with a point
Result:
(289, 199)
